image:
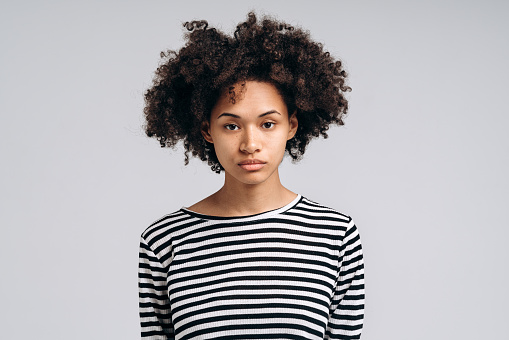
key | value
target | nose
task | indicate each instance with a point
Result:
(250, 142)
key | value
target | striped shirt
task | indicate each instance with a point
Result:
(296, 272)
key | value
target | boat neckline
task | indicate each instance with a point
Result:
(267, 213)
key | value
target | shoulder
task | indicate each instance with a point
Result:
(206, 206)
(161, 230)
(310, 211)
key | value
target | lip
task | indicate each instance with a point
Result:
(252, 164)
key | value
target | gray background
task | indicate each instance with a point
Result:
(422, 164)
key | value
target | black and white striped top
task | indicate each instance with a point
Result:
(292, 273)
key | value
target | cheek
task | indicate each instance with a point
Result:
(224, 147)
(279, 140)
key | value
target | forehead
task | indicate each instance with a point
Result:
(250, 97)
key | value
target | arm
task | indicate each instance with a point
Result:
(347, 308)
(155, 311)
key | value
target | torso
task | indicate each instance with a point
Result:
(273, 272)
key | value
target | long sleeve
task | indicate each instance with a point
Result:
(347, 308)
(155, 311)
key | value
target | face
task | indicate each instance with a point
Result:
(250, 135)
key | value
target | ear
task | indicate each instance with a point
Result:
(205, 131)
(294, 124)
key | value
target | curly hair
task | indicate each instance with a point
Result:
(188, 83)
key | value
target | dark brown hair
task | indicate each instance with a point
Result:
(188, 83)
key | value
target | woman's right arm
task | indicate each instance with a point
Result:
(155, 311)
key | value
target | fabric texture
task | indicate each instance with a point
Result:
(296, 272)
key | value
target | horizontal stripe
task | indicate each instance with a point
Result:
(261, 286)
(252, 298)
(279, 328)
(235, 252)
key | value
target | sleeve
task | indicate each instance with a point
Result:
(155, 311)
(347, 307)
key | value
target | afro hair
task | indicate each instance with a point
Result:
(188, 83)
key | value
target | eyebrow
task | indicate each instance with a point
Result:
(227, 114)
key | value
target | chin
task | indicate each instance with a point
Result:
(251, 178)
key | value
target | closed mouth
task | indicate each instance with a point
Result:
(252, 165)
(251, 161)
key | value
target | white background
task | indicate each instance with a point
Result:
(421, 165)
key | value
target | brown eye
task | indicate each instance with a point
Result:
(268, 125)
(231, 127)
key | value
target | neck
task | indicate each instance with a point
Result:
(239, 198)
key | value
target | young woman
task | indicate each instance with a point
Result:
(253, 260)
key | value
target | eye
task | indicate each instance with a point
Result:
(268, 125)
(231, 127)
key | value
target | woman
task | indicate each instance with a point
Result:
(253, 260)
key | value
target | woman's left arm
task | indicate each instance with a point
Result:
(347, 308)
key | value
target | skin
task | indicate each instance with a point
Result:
(255, 127)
